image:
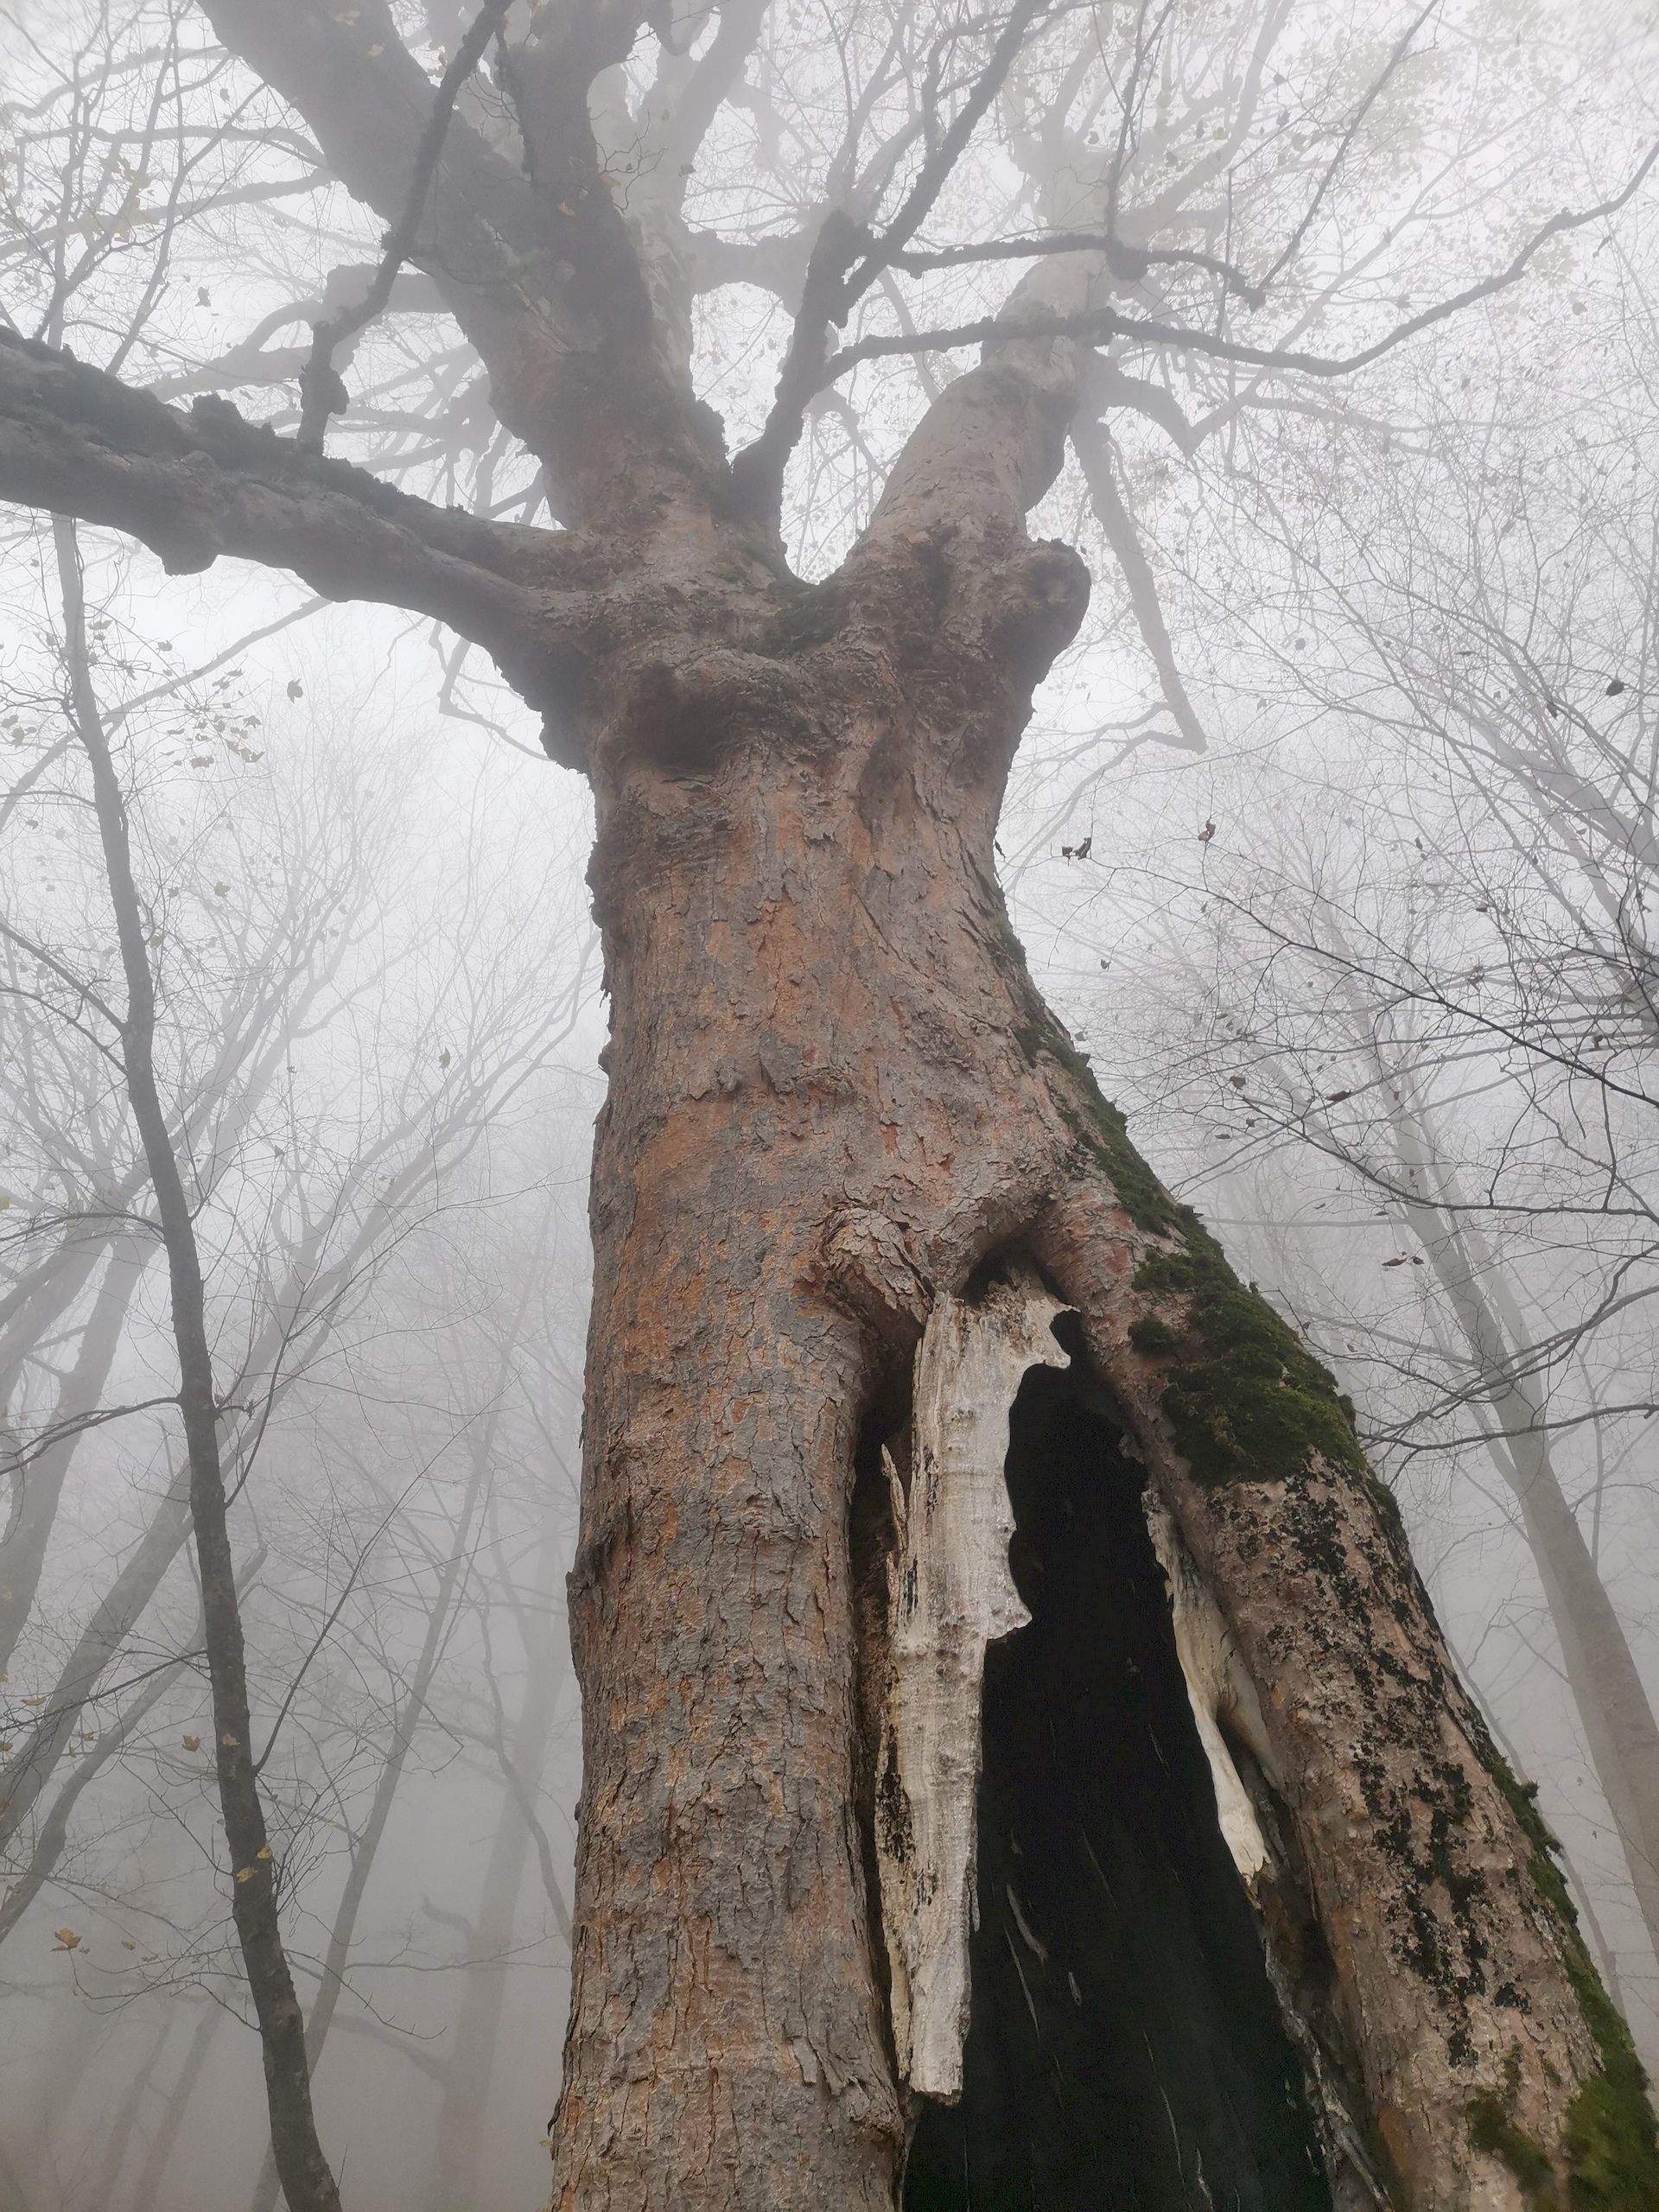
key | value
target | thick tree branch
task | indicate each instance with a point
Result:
(540, 270)
(847, 259)
(194, 486)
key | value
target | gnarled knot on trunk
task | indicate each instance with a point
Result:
(682, 716)
(1041, 595)
(868, 1265)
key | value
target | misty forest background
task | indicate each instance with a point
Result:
(1334, 839)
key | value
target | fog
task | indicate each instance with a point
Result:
(1331, 840)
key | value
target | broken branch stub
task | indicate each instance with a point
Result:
(951, 1594)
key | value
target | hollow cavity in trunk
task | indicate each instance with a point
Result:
(1124, 2045)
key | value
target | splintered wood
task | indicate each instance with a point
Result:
(1217, 1688)
(950, 1593)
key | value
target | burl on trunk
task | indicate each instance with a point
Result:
(1155, 1858)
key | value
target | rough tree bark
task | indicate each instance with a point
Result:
(836, 1100)
(834, 1096)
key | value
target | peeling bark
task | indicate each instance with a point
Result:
(1218, 1689)
(950, 1595)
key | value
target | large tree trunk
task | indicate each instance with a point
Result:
(836, 1100)
(847, 1149)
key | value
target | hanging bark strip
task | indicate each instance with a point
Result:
(1126, 2045)
(1218, 1690)
(949, 1594)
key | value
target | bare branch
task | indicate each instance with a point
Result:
(1101, 324)
(1128, 262)
(837, 277)
(321, 392)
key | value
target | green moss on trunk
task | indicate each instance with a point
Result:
(1612, 2149)
(1247, 1400)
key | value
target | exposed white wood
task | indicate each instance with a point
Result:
(951, 1594)
(1217, 1687)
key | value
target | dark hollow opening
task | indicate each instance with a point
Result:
(1125, 2050)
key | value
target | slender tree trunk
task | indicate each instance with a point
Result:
(835, 1098)
(147, 2188)
(1601, 1671)
(463, 2115)
(24, 1778)
(461, 2122)
(53, 1833)
(307, 2180)
(23, 1551)
(13, 2195)
(117, 2135)
(1607, 1688)
(365, 1846)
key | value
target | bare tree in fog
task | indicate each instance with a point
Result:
(228, 1005)
(307, 2180)
(856, 1190)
